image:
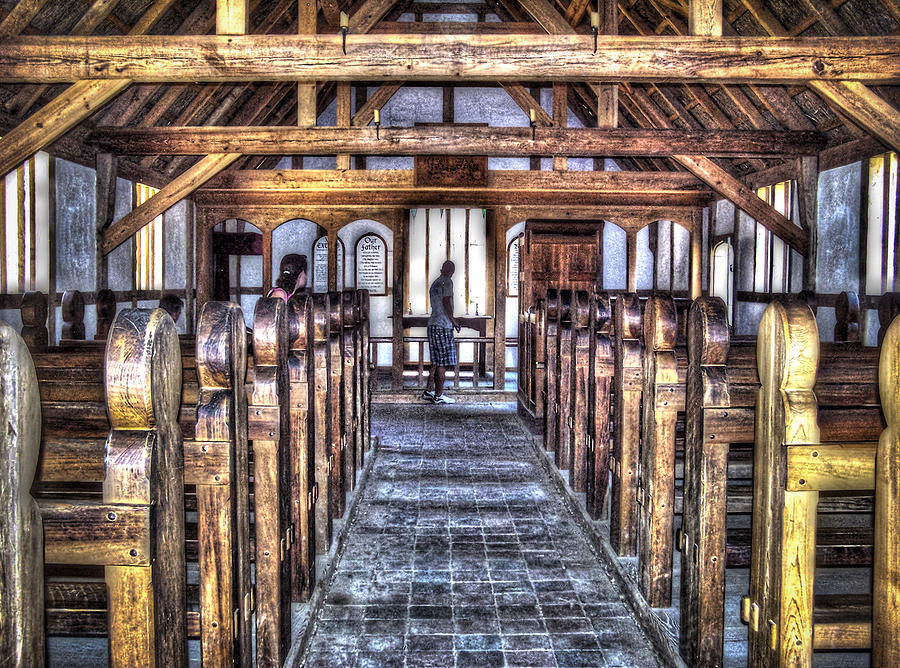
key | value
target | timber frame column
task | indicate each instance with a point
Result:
(398, 354)
(807, 200)
(204, 259)
(631, 264)
(696, 285)
(332, 258)
(499, 221)
(266, 261)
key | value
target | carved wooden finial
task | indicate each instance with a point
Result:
(708, 335)
(602, 312)
(660, 323)
(565, 305)
(106, 312)
(363, 296)
(886, 566)
(888, 309)
(628, 316)
(73, 316)
(581, 316)
(144, 466)
(783, 522)
(846, 315)
(34, 312)
(21, 533)
(552, 304)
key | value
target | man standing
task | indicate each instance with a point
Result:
(441, 324)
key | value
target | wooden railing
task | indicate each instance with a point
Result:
(475, 374)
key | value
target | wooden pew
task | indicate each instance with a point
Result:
(721, 391)
(338, 498)
(141, 513)
(793, 465)
(269, 430)
(367, 379)
(600, 381)
(213, 421)
(550, 319)
(563, 377)
(580, 422)
(627, 388)
(321, 421)
(302, 451)
(21, 532)
(663, 397)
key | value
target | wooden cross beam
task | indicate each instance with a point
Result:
(561, 57)
(490, 141)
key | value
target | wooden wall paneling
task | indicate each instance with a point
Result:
(223, 495)
(624, 457)
(702, 538)
(322, 421)
(301, 372)
(21, 531)
(656, 490)
(268, 429)
(143, 462)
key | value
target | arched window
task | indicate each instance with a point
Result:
(722, 274)
(371, 264)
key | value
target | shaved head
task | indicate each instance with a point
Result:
(448, 268)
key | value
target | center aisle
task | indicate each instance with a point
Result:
(461, 553)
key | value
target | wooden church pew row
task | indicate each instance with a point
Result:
(215, 466)
(624, 455)
(662, 430)
(141, 513)
(530, 363)
(563, 380)
(722, 388)
(550, 317)
(21, 533)
(302, 451)
(791, 467)
(367, 379)
(338, 498)
(268, 426)
(600, 382)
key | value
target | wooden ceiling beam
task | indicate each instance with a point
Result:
(860, 103)
(397, 188)
(232, 17)
(557, 57)
(454, 140)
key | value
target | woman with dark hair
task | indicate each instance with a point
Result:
(291, 277)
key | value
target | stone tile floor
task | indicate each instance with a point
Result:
(462, 554)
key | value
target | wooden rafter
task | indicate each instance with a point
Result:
(857, 101)
(561, 56)
(492, 141)
(20, 16)
(75, 104)
(173, 192)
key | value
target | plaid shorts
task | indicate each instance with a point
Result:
(440, 344)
